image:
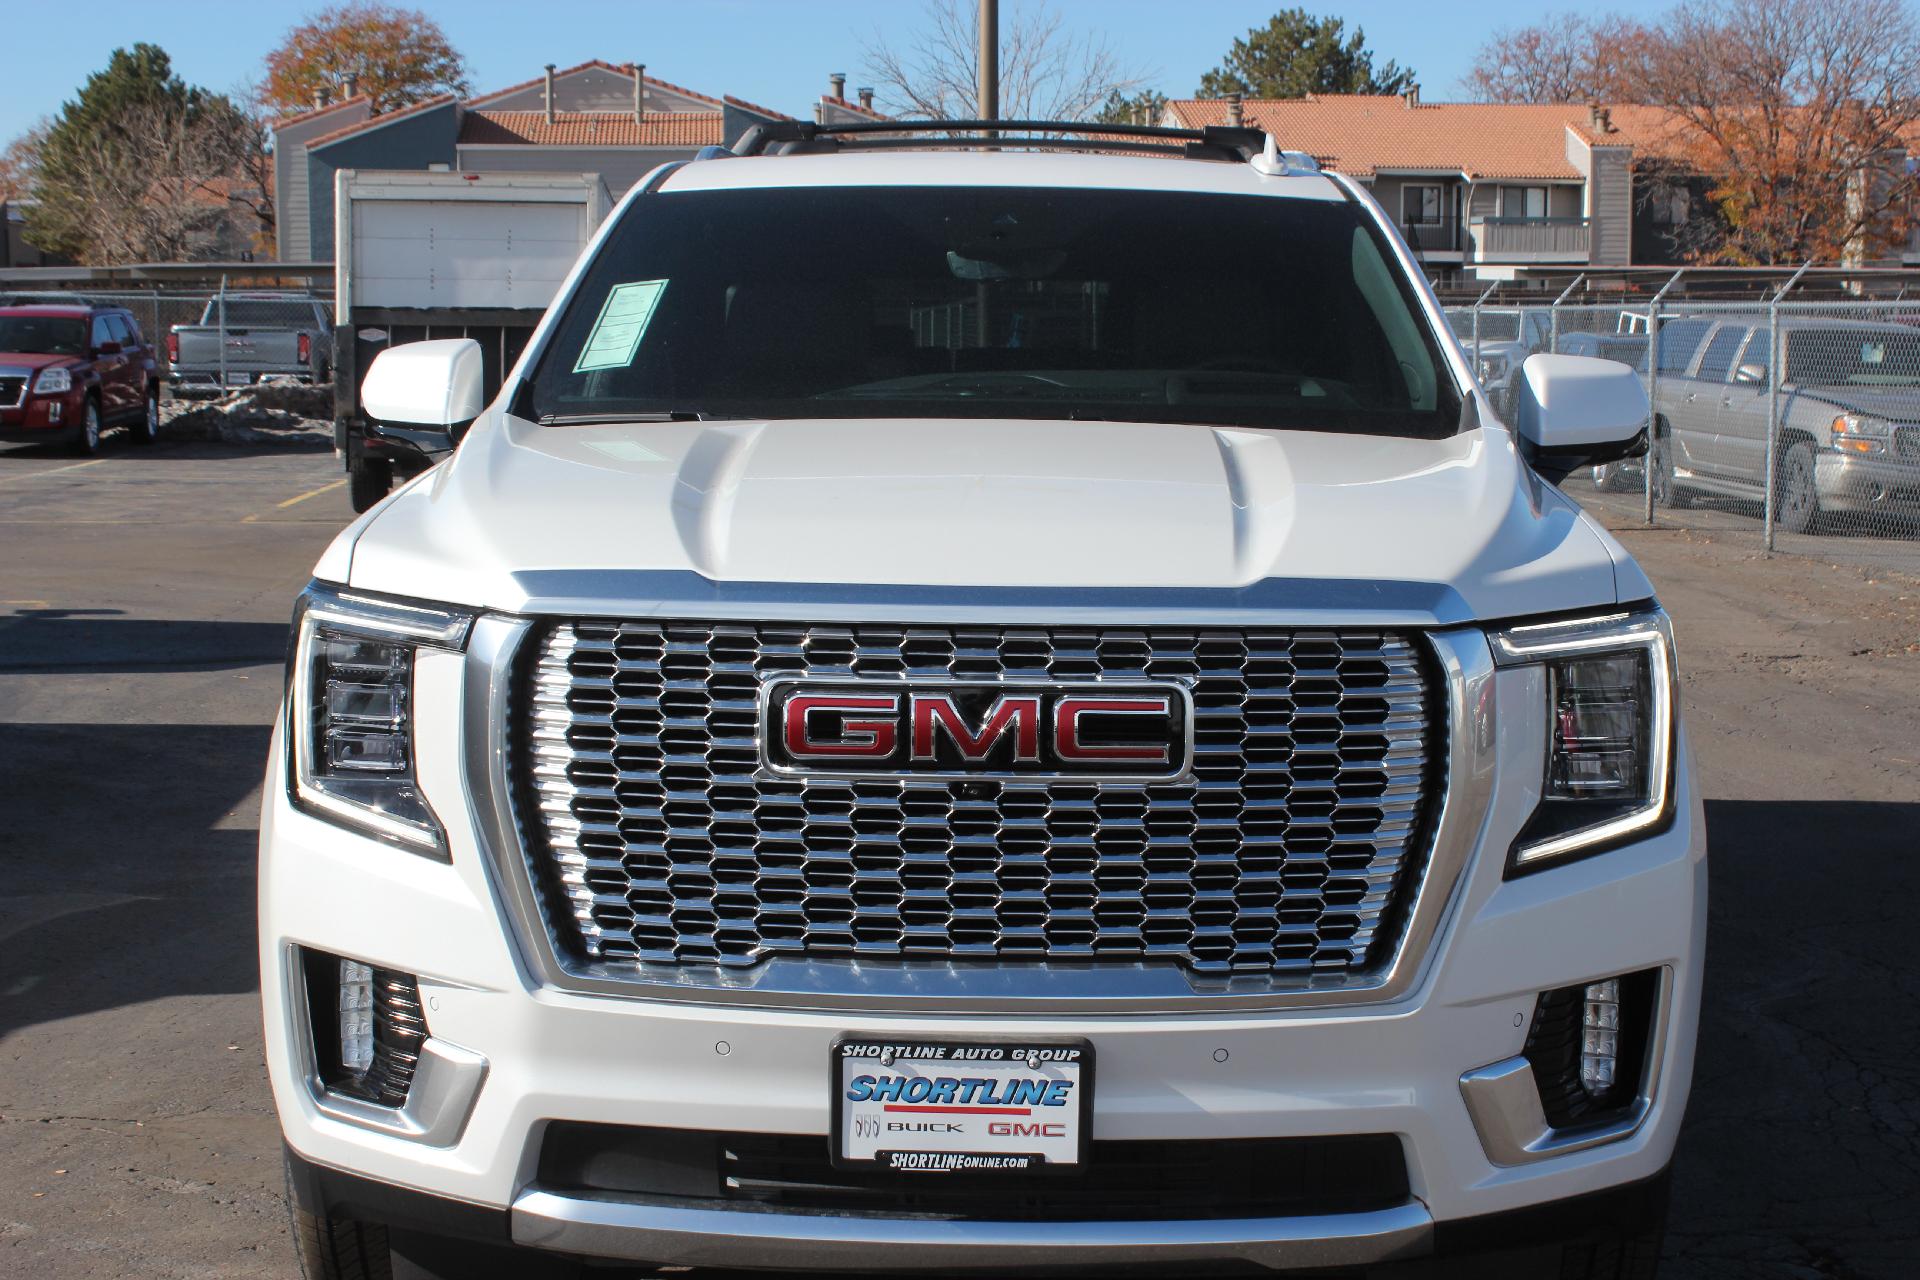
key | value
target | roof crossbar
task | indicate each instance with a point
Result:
(1233, 144)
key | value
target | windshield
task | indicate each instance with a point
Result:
(996, 303)
(1865, 358)
(43, 335)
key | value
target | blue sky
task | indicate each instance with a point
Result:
(775, 52)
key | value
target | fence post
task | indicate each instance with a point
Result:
(1654, 461)
(223, 335)
(1776, 358)
(1553, 314)
(1476, 327)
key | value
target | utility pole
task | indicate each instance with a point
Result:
(989, 59)
(989, 107)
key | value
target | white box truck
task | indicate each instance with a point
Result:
(423, 255)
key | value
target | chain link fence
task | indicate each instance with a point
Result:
(1792, 423)
(237, 350)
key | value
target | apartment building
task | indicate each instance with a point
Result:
(597, 117)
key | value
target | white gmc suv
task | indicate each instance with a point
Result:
(990, 703)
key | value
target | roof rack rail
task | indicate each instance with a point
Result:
(1230, 143)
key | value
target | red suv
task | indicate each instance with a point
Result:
(67, 372)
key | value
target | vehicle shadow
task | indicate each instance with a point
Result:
(101, 641)
(1799, 1155)
(129, 865)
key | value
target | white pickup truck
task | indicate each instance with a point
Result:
(971, 707)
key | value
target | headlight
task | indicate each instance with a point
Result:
(1857, 433)
(52, 382)
(1493, 368)
(1609, 708)
(350, 723)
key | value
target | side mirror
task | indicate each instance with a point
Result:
(107, 349)
(1750, 373)
(428, 384)
(1578, 411)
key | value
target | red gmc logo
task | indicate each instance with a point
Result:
(969, 730)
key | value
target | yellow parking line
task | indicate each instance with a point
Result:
(311, 493)
(29, 475)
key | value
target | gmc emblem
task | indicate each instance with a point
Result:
(985, 729)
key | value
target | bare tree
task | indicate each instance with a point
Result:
(1797, 110)
(20, 161)
(1046, 71)
(161, 184)
(1569, 58)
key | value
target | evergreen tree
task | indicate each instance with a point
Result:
(1296, 54)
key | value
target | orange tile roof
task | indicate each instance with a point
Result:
(1362, 134)
(372, 122)
(591, 129)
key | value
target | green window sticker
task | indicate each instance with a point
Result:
(622, 322)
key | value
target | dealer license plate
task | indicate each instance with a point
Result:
(239, 379)
(961, 1106)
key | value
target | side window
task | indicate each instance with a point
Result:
(122, 330)
(1420, 206)
(1755, 353)
(101, 333)
(1679, 339)
(1718, 360)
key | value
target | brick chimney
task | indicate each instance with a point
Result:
(866, 99)
(1600, 118)
(839, 82)
(1236, 110)
(639, 92)
(549, 93)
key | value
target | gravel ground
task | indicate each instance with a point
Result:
(143, 603)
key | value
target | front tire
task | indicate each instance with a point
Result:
(338, 1248)
(86, 441)
(146, 429)
(1796, 499)
(368, 481)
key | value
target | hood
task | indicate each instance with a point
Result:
(1897, 404)
(34, 361)
(525, 517)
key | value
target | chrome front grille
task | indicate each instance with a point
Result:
(655, 837)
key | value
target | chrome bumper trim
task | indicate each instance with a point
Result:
(446, 1079)
(1505, 1103)
(445, 1083)
(654, 1231)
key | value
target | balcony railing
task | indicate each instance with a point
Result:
(1530, 239)
(1430, 237)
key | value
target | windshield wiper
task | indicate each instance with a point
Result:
(591, 419)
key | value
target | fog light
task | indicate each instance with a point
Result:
(1600, 1037)
(367, 1027)
(356, 1016)
(1588, 1046)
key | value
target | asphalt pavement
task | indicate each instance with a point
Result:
(143, 606)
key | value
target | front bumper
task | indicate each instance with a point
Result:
(553, 1054)
(43, 419)
(1855, 484)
